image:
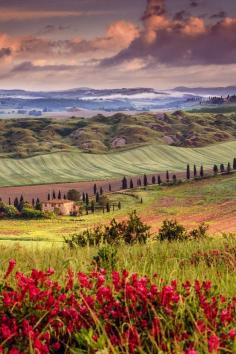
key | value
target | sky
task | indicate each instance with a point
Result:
(63, 44)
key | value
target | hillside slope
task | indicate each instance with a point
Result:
(77, 166)
(20, 138)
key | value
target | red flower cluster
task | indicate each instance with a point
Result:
(121, 311)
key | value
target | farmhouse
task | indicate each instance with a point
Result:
(60, 206)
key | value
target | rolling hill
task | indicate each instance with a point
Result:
(77, 166)
(21, 138)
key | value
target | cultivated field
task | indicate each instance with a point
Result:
(77, 166)
(211, 200)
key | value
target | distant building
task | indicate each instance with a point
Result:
(60, 206)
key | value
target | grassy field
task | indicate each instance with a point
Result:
(210, 200)
(77, 166)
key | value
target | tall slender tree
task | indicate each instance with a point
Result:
(59, 194)
(234, 164)
(222, 168)
(101, 191)
(188, 174)
(95, 189)
(84, 197)
(228, 168)
(109, 187)
(124, 183)
(153, 180)
(16, 203)
(49, 196)
(33, 202)
(145, 180)
(131, 184)
(201, 172)
(108, 207)
(53, 195)
(159, 181)
(87, 199)
(167, 177)
(9, 201)
(215, 170)
(195, 171)
(92, 207)
(97, 197)
(119, 205)
(174, 179)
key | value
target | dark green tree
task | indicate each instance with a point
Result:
(215, 170)
(84, 197)
(222, 168)
(101, 191)
(153, 180)
(234, 164)
(87, 199)
(174, 179)
(97, 197)
(167, 177)
(228, 168)
(108, 208)
(53, 195)
(9, 201)
(145, 180)
(159, 181)
(119, 205)
(21, 203)
(188, 173)
(33, 202)
(73, 194)
(124, 183)
(92, 207)
(95, 189)
(131, 184)
(201, 172)
(109, 187)
(195, 171)
(49, 197)
(38, 205)
(16, 203)
(59, 195)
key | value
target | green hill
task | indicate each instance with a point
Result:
(21, 138)
(78, 166)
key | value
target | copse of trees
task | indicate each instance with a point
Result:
(74, 195)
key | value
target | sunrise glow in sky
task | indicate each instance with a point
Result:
(59, 44)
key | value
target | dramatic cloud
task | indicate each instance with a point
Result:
(183, 40)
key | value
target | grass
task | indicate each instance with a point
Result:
(76, 166)
(210, 200)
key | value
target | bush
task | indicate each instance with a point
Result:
(131, 231)
(74, 195)
(29, 213)
(106, 257)
(171, 230)
(8, 210)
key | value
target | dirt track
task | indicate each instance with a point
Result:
(41, 191)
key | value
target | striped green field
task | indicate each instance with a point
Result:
(78, 166)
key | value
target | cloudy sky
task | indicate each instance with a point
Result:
(57, 44)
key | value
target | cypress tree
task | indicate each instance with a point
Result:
(87, 199)
(84, 197)
(201, 172)
(159, 180)
(131, 184)
(195, 171)
(167, 177)
(97, 197)
(53, 195)
(65, 197)
(101, 191)
(92, 207)
(59, 195)
(49, 197)
(153, 180)
(21, 203)
(9, 201)
(33, 202)
(124, 183)
(234, 164)
(139, 182)
(222, 168)
(16, 203)
(215, 170)
(108, 207)
(38, 205)
(188, 174)
(109, 187)
(119, 205)
(95, 189)
(145, 180)
(228, 168)
(174, 179)
(141, 200)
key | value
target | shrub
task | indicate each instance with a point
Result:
(8, 210)
(106, 257)
(171, 230)
(131, 231)
(29, 213)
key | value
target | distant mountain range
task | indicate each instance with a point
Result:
(32, 103)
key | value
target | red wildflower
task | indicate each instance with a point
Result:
(11, 266)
